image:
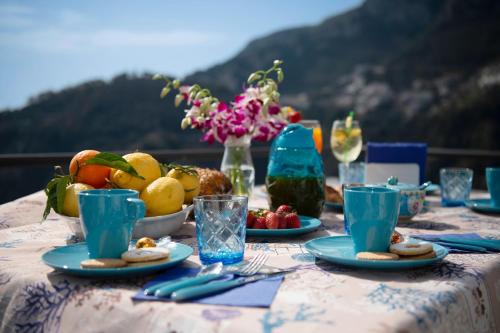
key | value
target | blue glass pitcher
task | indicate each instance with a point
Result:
(295, 172)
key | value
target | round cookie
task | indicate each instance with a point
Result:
(145, 254)
(429, 255)
(376, 256)
(148, 263)
(103, 263)
(413, 248)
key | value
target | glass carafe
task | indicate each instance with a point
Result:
(295, 172)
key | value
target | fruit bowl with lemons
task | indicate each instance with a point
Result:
(167, 190)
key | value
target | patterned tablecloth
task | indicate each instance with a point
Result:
(461, 294)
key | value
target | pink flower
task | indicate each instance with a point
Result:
(243, 117)
(274, 109)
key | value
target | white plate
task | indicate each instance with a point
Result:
(153, 227)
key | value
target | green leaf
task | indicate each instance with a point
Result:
(55, 191)
(61, 193)
(176, 83)
(114, 161)
(157, 77)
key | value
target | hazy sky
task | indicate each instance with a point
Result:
(47, 45)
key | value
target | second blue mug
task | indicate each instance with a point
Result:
(372, 213)
(493, 183)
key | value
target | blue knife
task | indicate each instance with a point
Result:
(218, 286)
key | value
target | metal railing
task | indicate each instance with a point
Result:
(210, 154)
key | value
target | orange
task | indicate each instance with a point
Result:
(94, 175)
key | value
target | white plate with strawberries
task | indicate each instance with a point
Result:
(283, 222)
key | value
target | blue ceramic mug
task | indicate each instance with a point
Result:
(372, 213)
(108, 218)
(493, 183)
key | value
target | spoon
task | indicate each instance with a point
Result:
(425, 185)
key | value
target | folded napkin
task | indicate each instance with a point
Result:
(256, 294)
(462, 243)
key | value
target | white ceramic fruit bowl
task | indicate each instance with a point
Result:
(153, 227)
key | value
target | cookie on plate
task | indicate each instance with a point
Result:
(148, 263)
(429, 255)
(103, 263)
(146, 254)
(376, 256)
(412, 248)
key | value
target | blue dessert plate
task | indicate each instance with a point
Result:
(308, 224)
(340, 250)
(67, 259)
(335, 206)
(483, 206)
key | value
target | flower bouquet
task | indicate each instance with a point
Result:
(255, 114)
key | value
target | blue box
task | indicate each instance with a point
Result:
(400, 152)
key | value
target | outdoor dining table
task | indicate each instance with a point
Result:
(459, 294)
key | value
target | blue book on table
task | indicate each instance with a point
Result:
(400, 152)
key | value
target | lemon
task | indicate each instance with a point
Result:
(355, 132)
(144, 164)
(70, 206)
(163, 196)
(190, 182)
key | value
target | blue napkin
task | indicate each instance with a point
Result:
(450, 245)
(257, 294)
(401, 152)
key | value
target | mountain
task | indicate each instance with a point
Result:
(412, 70)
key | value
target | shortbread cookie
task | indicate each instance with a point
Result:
(429, 255)
(103, 263)
(145, 254)
(148, 263)
(376, 256)
(413, 248)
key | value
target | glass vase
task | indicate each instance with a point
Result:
(237, 164)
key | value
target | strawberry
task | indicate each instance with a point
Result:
(292, 221)
(282, 224)
(283, 210)
(260, 223)
(272, 220)
(250, 219)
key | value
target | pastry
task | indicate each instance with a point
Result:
(213, 182)
(333, 195)
(145, 242)
(145, 254)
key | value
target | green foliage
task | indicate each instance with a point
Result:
(114, 161)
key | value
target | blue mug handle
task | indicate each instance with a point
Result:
(135, 209)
